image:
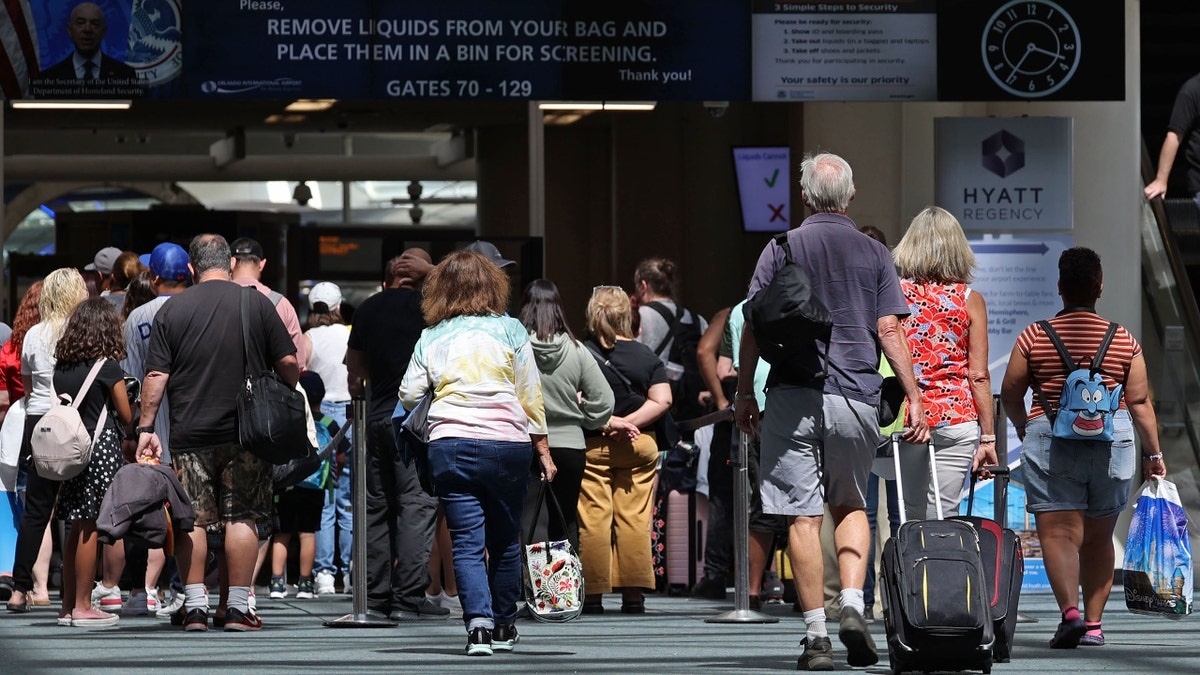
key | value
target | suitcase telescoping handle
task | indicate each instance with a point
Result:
(937, 489)
(1000, 475)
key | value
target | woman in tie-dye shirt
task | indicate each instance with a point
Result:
(485, 422)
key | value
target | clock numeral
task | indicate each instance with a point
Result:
(1063, 66)
(993, 48)
(1068, 46)
(1011, 78)
(1031, 85)
(997, 66)
(1064, 28)
(1049, 14)
(999, 27)
(1011, 14)
(1031, 9)
(1050, 80)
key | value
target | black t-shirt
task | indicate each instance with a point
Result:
(386, 328)
(639, 365)
(69, 377)
(1185, 121)
(197, 340)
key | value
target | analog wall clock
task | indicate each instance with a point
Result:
(1031, 48)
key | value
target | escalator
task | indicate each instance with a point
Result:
(1170, 337)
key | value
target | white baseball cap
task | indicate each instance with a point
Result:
(325, 292)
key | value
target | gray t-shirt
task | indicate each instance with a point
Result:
(137, 344)
(854, 276)
(654, 329)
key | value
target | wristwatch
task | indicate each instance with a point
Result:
(144, 430)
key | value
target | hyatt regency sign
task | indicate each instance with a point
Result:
(1005, 174)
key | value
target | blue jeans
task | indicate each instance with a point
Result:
(337, 512)
(481, 486)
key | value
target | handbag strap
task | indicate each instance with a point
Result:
(537, 511)
(245, 309)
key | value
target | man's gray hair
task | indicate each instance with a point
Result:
(827, 181)
(209, 252)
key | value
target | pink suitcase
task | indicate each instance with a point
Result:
(687, 523)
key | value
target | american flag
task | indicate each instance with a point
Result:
(18, 49)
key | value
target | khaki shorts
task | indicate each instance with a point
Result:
(224, 483)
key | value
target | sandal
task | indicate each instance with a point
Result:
(23, 606)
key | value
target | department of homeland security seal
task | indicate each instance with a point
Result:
(155, 40)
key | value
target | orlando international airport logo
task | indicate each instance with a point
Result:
(155, 40)
(1003, 153)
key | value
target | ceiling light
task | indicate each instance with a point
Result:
(569, 105)
(629, 105)
(283, 119)
(310, 104)
(71, 105)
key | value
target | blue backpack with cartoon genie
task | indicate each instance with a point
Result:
(1085, 409)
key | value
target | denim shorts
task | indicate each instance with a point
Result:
(1087, 476)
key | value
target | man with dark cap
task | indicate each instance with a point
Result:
(247, 264)
(401, 512)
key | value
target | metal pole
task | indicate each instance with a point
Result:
(360, 617)
(741, 612)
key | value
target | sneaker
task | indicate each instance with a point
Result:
(167, 609)
(755, 603)
(64, 619)
(152, 601)
(479, 642)
(304, 589)
(218, 620)
(1068, 635)
(505, 637)
(278, 588)
(1090, 640)
(772, 588)
(238, 621)
(91, 618)
(105, 598)
(869, 614)
(325, 584)
(860, 648)
(452, 603)
(818, 654)
(194, 620)
(252, 602)
(346, 587)
(424, 611)
(136, 605)
(709, 588)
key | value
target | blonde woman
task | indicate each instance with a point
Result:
(62, 290)
(947, 336)
(615, 496)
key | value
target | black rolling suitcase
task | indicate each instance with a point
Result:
(938, 615)
(1003, 564)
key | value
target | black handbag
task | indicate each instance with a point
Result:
(270, 414)
(416, 425)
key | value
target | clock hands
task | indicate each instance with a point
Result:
(1034, 48)
(1017, 68)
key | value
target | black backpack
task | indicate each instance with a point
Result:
(786, 315)
(684, 339)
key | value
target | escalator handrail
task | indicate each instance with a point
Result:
(1188, 307)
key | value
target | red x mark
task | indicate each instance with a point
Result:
(777, 213)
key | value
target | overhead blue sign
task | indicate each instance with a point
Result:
(623, 50)
(468, 49)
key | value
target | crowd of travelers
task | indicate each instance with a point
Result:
(157, 346)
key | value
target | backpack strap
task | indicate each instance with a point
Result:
(672, 323)
(1068, 363)
(87, 384)
(1098, 359)
(781, 240)
(275, 297)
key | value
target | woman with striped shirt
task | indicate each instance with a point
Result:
(1076, 489)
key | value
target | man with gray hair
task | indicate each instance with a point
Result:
(196, 357)
(820, 438)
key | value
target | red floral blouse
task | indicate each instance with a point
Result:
(937, 336)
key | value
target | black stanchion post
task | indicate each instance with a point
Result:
(360, 617)
(741, 543)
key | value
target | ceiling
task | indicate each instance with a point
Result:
(353, 140)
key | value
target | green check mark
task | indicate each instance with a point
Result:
(771, 181)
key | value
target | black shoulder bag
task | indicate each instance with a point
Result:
(270, 414)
